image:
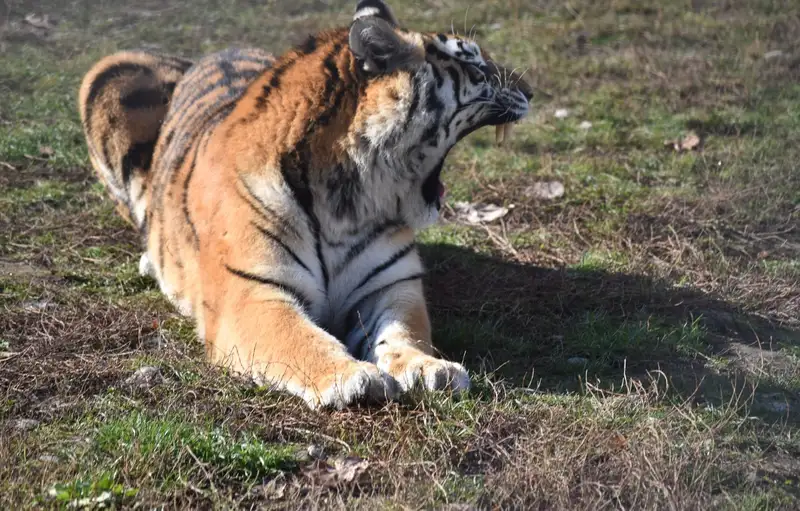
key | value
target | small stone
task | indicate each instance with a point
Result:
(547, 190)
(49, 458)
(24, 424)
(561, 113)
(581, 41)
(145, 378)
(35, 306)
(316, 451)
(585, 125)
(577, 361)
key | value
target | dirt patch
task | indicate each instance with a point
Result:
(24, 176)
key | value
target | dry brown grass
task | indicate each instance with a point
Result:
(634, 344)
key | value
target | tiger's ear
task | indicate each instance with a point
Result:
(376, 8)
(379, 49)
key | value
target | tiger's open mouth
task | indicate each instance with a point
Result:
(434, 190)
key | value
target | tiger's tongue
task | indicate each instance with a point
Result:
(503, 133)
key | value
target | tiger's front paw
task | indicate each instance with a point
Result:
(432, 373)
(357, 382)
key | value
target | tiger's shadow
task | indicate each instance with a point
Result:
(552, 328)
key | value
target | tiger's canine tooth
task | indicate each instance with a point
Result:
(499, 134)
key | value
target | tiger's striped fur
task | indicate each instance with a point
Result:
(279, 204)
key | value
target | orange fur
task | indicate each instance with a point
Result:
(273, 209)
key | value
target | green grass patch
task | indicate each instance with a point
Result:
(150, 443)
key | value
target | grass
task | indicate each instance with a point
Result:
(633, 343)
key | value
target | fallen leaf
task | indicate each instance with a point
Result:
(8, 355)
(42, 22)
(275, 489)
(547, 190)
(585, 125)
(618, 442)
(36, 306)
(46, 151)
(343, 471)
(479, 213)
(562, 113)
(689, 142)
(145, 378)
(24, 424)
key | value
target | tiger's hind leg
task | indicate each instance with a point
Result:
(123, 101)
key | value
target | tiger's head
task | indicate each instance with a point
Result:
(424, 92)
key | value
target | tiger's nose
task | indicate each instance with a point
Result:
(526, 90)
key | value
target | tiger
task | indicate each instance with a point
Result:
(278, 198)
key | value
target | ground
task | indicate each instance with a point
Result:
(635, 343)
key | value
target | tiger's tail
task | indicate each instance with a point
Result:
(123, 101)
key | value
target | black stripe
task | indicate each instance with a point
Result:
(144, 98)
(179, 113)
(274, 81)
(286, 288)
(273, 237)
(185, 198)
(351, 314)
(168, 176)
(142, 191)
(308, 46)
(109, 74)
(412, 109)
(333, 81)
(169, 89)
(321, 258)
(368, 329)
(213, 64)
(438, 76)
(456, 83)
(170, 61)
(357, 249)
(432, 49)
(139, 156)
(104, 143)
(282, 224)
(387, 264)
(433, 105)
(294, 169)
(344, 188)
